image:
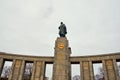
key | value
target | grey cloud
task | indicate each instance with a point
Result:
(31, 27)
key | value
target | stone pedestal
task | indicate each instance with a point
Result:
(61, 66)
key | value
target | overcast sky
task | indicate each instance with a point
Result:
(30, 27)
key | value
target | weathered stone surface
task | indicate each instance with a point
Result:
(61, 64)
(17, 69)
(110, 70)
(86, 70)
(1, 65)
(61, 60)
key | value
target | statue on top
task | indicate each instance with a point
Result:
(62, 30)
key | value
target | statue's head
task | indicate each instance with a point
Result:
(61, 22)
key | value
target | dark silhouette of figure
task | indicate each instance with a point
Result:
(62, 30)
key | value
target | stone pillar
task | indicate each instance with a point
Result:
(86, 70)
(81, 70)
(61, 66)
(1, 65)
(22, 70)
(38, 70)
(33, 71)
(42, 76)
(17, 69)
(11, 72)
(116, 69)
(110, 70)
(105, 70)
(91, 70)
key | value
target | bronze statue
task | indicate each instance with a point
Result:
(62, 30)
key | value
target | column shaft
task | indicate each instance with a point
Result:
(38, 70)
(110, 70)
(81, 70)
(91, 70)
(33, 71)
(86, 70)
(22, 70)
(42, 76)
(116, 69)
(105, 70)
(17, 69)
(1, 65)
(11, 72)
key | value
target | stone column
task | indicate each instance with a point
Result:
(81, 70)
(22, 70)
(33, 71)
(17, 69)
(1, 65)
(42, 76)
(38, 70)
(91, 70)
(116, 69)
(105, 70)
(61, 66)
(11, 72)
(110, 70)
(86, 70)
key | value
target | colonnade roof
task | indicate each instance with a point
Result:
(51, 58)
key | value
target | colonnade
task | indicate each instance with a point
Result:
(18, 67)
(109, 65)
(109, 62)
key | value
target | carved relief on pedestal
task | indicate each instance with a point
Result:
(60, 45)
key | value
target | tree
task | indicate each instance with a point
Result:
(76, 77)
(5, 72)
(101, 72)
(119, 69)
(100, 75)
(28, 71)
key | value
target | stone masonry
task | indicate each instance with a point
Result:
(61, 61)
(61, 64)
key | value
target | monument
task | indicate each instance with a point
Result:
(62, 53)
(62, 30)
(62, 62)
